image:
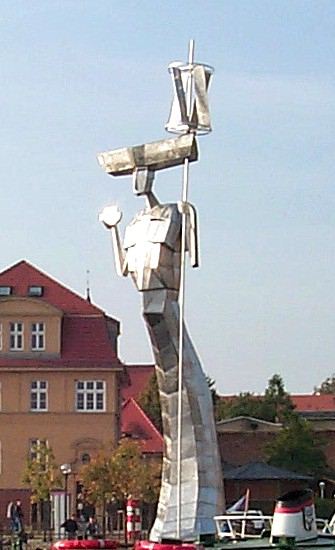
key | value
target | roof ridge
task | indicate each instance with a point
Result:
(145, 416)
(52, 280)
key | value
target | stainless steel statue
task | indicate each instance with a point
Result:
(151, 254)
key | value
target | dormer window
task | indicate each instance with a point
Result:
(5, 290)
(35, 291)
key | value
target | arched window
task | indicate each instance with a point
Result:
(85, 458)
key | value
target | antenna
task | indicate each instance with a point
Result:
(88, 290)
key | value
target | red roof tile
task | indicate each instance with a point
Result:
(85, 337)
(138, 376)
(302, 402)
(22, 275)
(314, 402)
(135, 422)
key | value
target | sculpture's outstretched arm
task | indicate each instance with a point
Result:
(192, 243)
(110, 217)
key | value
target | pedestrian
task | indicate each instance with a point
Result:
(70, 526)
(92, 529)
(16, 513)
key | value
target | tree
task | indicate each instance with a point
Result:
(277, 404)
(274, 406)
(41, 474)
(215, 398)
(117, 474)
(245, 404)
(97, 481)
(327, 386)
(134, 474)
(296, 448)
(150, 403)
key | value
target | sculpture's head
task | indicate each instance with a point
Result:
(143, 180)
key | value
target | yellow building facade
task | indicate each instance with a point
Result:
(60, 378)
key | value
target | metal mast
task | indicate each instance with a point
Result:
(189, 90)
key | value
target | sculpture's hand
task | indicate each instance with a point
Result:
(110, 216)
(184, 207)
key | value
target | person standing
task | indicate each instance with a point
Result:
(70, 526)
(92, 529)
(16, 518)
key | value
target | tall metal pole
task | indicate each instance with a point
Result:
(65, 503)
(182, 299)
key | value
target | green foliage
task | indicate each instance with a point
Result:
(295, 448)
(97, 479)
(150, 403)
(120, 473)
(245, 404)
(324, 507)
(277, 402)
(327, 386)
(41, 473)
(274, 406)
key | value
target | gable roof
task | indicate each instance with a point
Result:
(261, 470)
(259, 421)
(136, 424)
(23, 274)
(86, 341)
(138, 380)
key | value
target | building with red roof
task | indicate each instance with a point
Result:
(316, 402)
(134, 421)
(60, 377)
(137, 380)
(136, 425)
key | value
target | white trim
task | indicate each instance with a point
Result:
(39, 392)
(17, 334)
(89, 396)
(38, 330)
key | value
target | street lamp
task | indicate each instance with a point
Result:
(322, 486)
(66, 471)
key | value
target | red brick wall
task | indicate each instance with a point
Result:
(240, 448)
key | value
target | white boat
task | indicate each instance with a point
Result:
(293, 522)
(252, 524)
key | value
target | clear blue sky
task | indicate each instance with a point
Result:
(81, 77)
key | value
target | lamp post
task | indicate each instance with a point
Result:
(322, 486)
(66, 471)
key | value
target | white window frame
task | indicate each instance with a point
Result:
(17, 334)
(38, 336)
(91, 396)
(39, 388)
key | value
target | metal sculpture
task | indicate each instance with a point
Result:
(153, 253)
